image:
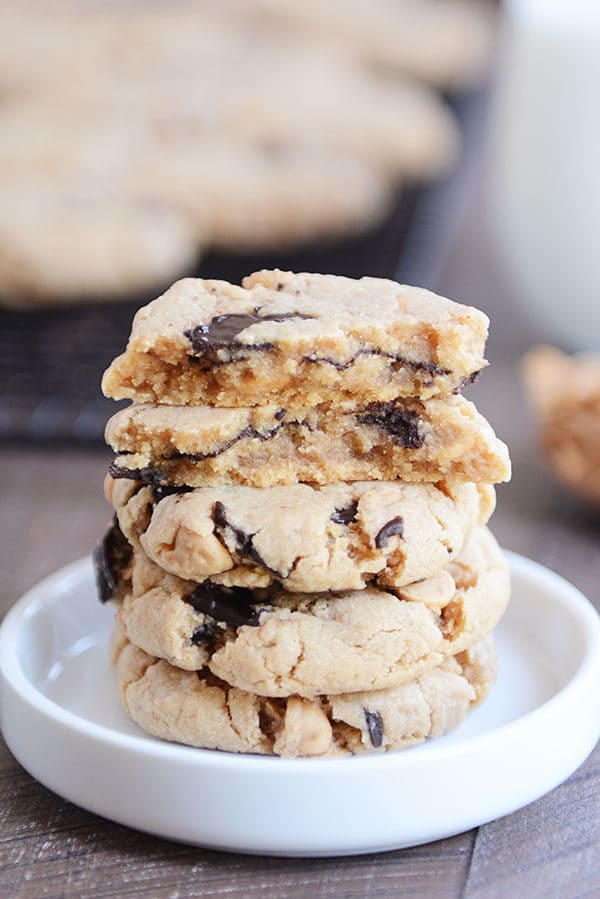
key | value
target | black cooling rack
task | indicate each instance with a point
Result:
(51, 360)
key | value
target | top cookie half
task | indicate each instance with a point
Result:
(289, 337)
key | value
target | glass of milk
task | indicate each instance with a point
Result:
(546, 165)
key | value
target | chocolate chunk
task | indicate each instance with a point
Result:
(429, 367)
(345, 516)
(223, 329)
(398, 421)
(159, 492)
(206, 633)
(397, 362)
(151, 476)
(343, 366)
(281, 414)
(247, 433)
(111, 557)
(393, 528)
(471, 379)
(233, 605)
(375, 727)
(244, 541)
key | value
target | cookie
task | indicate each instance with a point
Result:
(240, 137)
(266, 446)
(565, 392)
(259, 88)
(447, 44)
(276, 643)
(200, 710)
(305, 538)
(247, 197)
(232, 194)
(72, 178)
(297, 338)
(317, 99)
(79, 246)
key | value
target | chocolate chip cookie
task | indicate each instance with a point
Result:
(201, 710)
(275, 643)
(264, 446)
(305, 538)
(297, 339)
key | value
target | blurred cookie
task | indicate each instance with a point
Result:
(200, 710)
(238, 136)
(74, 247)
(314, 100)
(443, 43)
(247, 196)
(565, 392)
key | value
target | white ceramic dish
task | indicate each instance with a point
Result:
(62, 720)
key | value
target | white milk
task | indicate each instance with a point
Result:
(546, 165)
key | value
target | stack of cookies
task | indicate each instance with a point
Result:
(299, 552)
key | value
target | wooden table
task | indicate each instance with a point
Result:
(52, 511)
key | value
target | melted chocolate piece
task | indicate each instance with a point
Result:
(159, 492)
(233, 605)
(397, 362)
(152, 476)
(345, 516)
(244, 541)
(223, 329)
(248, 432)
(206, 633)
(429, 367)
(393, 528)
(375, 727)
(471, 379)
(159, 481)
(111, 556)
(397, 421)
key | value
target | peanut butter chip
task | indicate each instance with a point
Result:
(436, 592)
(306, 729)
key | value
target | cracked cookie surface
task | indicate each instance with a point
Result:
(297, 338)
(198, 709)
(264, 446)
(307, 539)
(275, 643)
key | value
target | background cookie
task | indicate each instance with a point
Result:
(440, 43)
(262, 126)
(565, 392)
(288, 194)
(81, 246)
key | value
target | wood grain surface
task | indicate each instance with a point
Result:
(52, 510)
